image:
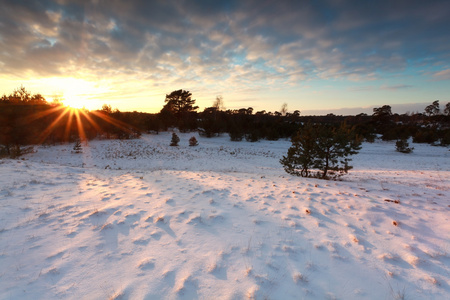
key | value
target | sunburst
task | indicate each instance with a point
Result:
(74, 118)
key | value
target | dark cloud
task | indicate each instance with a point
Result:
(207, 40)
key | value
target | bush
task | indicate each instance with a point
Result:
(193, 141)
(323, 148)
(272, 134)
(403, 146)
(370, 138)
(236, 135)
(425, 135)
(252, 136)
(175, 140)
(444, 137)
(15, 151)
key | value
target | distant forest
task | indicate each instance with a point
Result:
(27, 119)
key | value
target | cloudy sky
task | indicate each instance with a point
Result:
(313, 55)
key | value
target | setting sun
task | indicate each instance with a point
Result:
(78, 103)
(73, 92)
(78, 93)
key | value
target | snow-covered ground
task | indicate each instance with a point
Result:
(139, 219)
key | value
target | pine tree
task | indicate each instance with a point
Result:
(180, 110)
(193, 141)
(403, 146)
(300, 156)
(77, 147)
(447, 109)
(175, 140)
(432, 109)
(322, 148)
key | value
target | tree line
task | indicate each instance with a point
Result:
(431, 126)
(27, 119)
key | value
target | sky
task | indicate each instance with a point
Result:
(319, 57)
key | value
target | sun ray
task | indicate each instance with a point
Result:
(45, 113)
(80, 127)
(76, 121)
(119, 124)
(89, 119)
(68, 125)
(51, 127)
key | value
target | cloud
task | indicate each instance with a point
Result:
(442, 75)
(223, 43)
(396, 87)
(366, 88)
(363, 88)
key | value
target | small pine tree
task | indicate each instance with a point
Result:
(77, 147)
(175, 140)
(300, 156)
(193, 141)
(321, 151)
(403, 146)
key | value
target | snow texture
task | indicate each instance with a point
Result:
(138, 219)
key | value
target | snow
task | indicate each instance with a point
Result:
(138, 219)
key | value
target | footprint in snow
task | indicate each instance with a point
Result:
(147, 264)
(141, 241)
(187, 287)
(56, 255)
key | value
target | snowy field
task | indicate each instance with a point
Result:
(139, 219)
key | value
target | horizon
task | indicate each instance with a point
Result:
(327, 57)
(407, 108)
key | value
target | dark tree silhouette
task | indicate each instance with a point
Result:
(180, 102)
(447, 109)
(180, 105)
(382, 112)
(383, 123)
(432, 109)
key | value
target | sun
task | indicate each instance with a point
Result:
(77, 92)
(77, 102)
(80, 101)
